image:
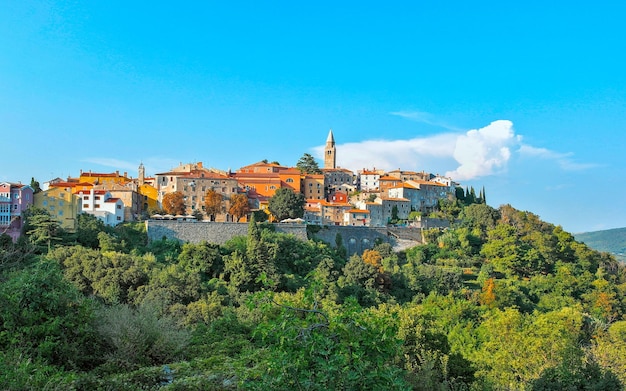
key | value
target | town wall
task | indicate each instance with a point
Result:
(355, 239)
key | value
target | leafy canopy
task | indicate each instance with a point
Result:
(286, 204)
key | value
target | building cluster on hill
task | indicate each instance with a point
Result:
(334, 195)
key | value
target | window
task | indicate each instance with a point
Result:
(96, 197)
(119, 206)
(97, 205)
(119, 218)
(85, 197)
(45, 203)
(289, 180)
(85, 206)
(60, 213)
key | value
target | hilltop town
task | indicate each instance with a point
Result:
(330, 195)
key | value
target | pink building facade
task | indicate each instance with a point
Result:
(15, 198)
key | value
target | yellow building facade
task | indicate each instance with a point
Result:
(61, 203)
(150, 197)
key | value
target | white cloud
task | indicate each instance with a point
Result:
(410, 154)
(483, 151)
(461, 155)
(562, 159)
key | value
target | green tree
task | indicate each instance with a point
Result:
(609, 349)
(35, 185)
(88, 227)
(362, 281)
(110, 276)
(286, 204)
(140, 336)
(308, 165)
(202, 258)
(313, 349)
(46, 319)
(505, 251)
(480, 217)
(394, 213)
(518, 348)
(41, 228)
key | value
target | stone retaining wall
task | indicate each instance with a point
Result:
(355, 239)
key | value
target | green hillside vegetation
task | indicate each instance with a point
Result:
(611, 240)
(501, 301)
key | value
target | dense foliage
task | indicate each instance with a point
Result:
(500, 301)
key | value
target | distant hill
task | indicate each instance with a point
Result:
(611, 241)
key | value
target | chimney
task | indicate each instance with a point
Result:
(125, 174)
(200, 164)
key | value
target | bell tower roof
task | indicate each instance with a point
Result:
(330, 138)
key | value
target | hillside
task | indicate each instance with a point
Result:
(501, 301)
(611, 240)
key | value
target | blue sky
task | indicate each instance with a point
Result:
(525, 99)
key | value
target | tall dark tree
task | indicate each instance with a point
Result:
(472, 195)
(308, 165)
(286, 204)
(459, 194)
(35, 185)
(87, 229)
(41, 228)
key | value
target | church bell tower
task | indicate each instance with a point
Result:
(330, 152)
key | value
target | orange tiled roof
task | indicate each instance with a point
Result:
(405, 186)
(358, 211)
(428, 183)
